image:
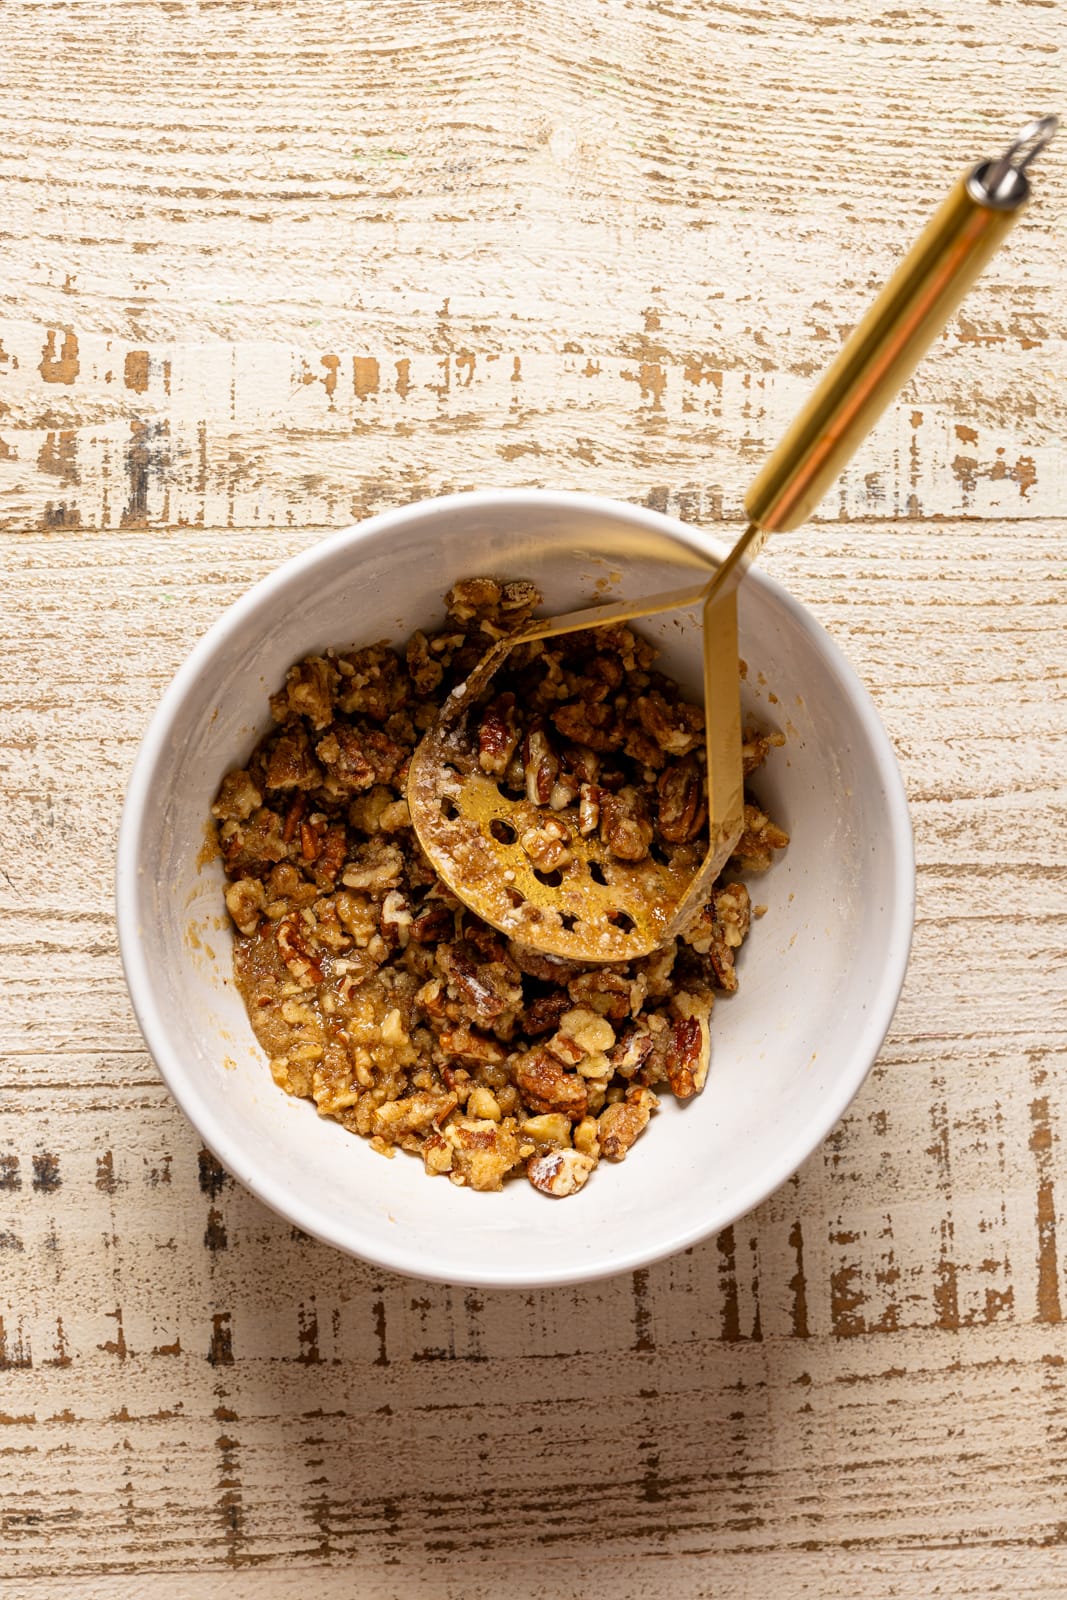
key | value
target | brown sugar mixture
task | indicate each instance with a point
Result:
(377, 994)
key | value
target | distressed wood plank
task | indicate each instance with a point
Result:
(265, 268)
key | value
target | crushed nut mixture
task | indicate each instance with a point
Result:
(377, 994)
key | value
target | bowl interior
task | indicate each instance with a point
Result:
(819, 975)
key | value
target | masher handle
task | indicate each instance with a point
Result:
(884, 349)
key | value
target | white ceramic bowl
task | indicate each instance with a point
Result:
(820, 974)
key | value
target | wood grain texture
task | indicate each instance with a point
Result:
(268, 267)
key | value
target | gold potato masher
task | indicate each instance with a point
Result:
(598, 908)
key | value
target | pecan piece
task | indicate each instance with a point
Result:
(461, 1043)
(594, 726)
(755, 747)
(677, 728)
(432, 923)
(631, 1052)
(333, 848)
(546, 845)
(689, 1044)
(559, 1172)
(375, 866)
(473, 597)
(483, 1152)
(681, 812)
(683, 1056)
(498, 735)
(760, 839)
(425, 672)
(604, 991)
(414, 1113)
(245, 901)
(238, 797)
(545, 1086)
(256, 844)
(291, 940)
(620, 1124)
(542, 1015)
(395, 919)
(719, 930)
(355, 759)
(624, 827)
(540, 765)
(291, 764)
(372, 683)
(487, 992)
(309, 690)
(589, 800)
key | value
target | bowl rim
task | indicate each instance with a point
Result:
(379, 1248)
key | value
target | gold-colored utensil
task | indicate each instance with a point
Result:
(598, 908)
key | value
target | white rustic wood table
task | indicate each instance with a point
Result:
(267, 266)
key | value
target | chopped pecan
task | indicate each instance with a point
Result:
(542, 1015)
(256, 844)
(518, 597)
(755, 747)
(291, 938)
(546, 845)
(631, 1051)
(590, 797)
(375, 865)
(620, 1124)
(365, 812)
(473, 597)
(372, 683)
(356, 758)
(395, 919)
(681, 813)
(535, 964)
(414, 1113)
(245, 901)
(593, 725)
(483, 1152)
(309, 690)
(433, 922)
(291, 764)
(559, 1172)
(624, 826)
(540, 765)
(461, 1043)
(238, 796)
(545, 1086)
(583, 762)
(718, 930)
(689, 1045)
(683, 1056)
(333, 849)
(565, 1049)
(676, 727)
(293, 817)
(498, 734)
(603, 991)
(552, 1128)
(425, 671)
(760, 839)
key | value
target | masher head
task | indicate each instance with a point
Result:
(543, 876)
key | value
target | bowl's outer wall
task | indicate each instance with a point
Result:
(819, 977)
